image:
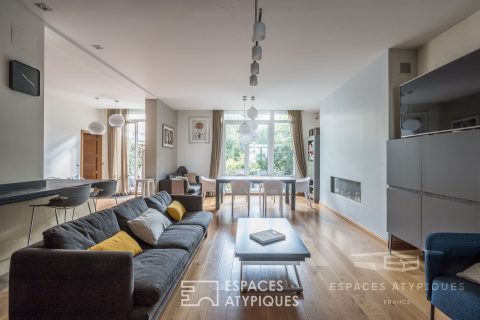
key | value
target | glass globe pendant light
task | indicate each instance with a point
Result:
(252, 112)
(116, 120)
(97, 128)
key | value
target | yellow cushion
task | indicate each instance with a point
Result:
(121, 241)
(176, 210)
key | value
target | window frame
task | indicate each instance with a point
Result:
(135, 122)
(271, 142)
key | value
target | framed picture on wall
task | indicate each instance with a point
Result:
(467, 122)
(199, 129)
(168, 133)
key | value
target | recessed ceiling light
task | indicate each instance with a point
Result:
(43, 6)
(97, 46)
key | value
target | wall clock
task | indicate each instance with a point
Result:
(24, 78)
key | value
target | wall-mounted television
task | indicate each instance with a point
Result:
(445, 99)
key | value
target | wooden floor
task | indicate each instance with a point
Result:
(342, 255)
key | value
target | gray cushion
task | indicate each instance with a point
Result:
(471, 274)
(160, 202)
(149, 225)
(154, 271)
(202, 218)
(184, 237)
(129, 210)
(82, 233)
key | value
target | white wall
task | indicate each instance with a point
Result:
(459, 40)
(159, 161)
(194, 156)
(353, 133)
(21, 115)
(65, 117)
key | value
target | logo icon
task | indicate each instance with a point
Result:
(193, 292)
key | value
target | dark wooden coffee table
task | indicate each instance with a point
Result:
(288, 252)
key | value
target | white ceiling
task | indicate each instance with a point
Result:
(76, 75)
(195, 54)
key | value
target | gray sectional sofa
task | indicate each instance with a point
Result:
(59, 279)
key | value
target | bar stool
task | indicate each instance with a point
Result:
(103, 190)
(148, 186)
(69, 198)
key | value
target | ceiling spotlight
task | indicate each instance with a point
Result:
(43, 6)
(97, 46)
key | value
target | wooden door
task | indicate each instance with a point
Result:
(91, 156)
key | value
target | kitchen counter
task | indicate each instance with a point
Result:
(25, 191)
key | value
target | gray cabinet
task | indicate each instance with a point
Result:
(451, 164)
(434, 185)
(404, 215)
(404, 163)
(441, 215)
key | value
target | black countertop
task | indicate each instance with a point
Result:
(51, 187)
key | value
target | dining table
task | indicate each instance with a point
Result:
(289, 186)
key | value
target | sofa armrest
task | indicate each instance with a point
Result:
(192, 203)
(447, 254)
(70, 284)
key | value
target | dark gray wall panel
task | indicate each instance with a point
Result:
(404, 215)
(404, 163)
(451, 164)
(440, 215)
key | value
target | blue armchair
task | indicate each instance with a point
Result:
(446, 255)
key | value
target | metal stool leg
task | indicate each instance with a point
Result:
(65, 216)
(73, 214)
(56, 216)
(116, 201)
(31, 225)
(89, 208)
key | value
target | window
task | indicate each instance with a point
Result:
(271, 152)
(136, 146)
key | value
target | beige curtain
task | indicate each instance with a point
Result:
(295, 117)
(117, 153)
(217, 138)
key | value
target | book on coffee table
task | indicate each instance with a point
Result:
(267, 236)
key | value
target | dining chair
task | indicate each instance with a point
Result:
(303, 185)
(208, 185)
(68, 198)
(240, 188)
(103, 190)
(271, 188)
